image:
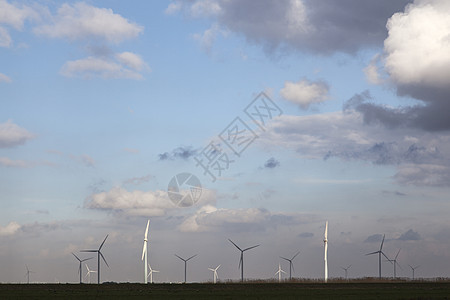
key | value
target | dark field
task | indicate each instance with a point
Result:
(357, 290)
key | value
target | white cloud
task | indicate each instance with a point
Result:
(371, 71)
(131, 60)
(209, 218)
(205, 8)
(305, 92)
(82, 21)
(9, 229)
(12, 135)
(207, 38)
(135, 203)
(4, 78)
(7, 162)
(418, 46)
(91, 67)
(5, 38)
(15, 15)
(173, 8)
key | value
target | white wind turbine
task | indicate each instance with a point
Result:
(88, 274)
(144, 253)
(215, 276)
(325, 243)
(151, 273)
(279, 272)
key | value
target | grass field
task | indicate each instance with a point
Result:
(333, 290)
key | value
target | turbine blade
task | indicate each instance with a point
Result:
(376, 252)
(180, 257)
(326, 230)
(285, 258)
(146, 230)
(397, 253)
(386, 257)
(399, 265)
(217, 267)
(86, 259)
(235, 245)
(103, 258)
(76, 257)
(88, 250)
(295, 255)
(211, 269)
(191, 257)
(250, 248)
(99, 248)
(382, 242)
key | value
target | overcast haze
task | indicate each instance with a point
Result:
(103, 102)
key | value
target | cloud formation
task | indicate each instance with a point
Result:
(321, 27)
(410, 235)
(9, 229)
(305, 92)
(420, 157)
(13, 15)
(132, 203)
(12, 135)
(417, 62)
(272, 163)
(3, 77)
(124, 65)
(183, 152)
(82, 21)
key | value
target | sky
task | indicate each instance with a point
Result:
(289, 113)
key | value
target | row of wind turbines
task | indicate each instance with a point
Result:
(148, 271)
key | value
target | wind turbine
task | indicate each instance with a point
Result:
(151, 273)
(413, 269)
(185, 264)
(380, 252)
(144, 253)
(241, 261)
(81, 261)
(394, 261)
(215, 276)
(28, 274)
(99, 253)
(279, 272)
(346, 270)
(88, 274)
(325, 244)
(291, 266)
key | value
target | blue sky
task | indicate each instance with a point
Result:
(102, 103)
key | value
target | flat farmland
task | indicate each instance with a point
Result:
(357, 290)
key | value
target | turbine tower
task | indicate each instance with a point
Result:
(279, 272)
(81, 261)
(346, 270)
(88, 274)
(380, 252)
(325, 243)
(215, 276)
(185, 264)
(291, 266)
(144, 253)
(413, 269)
(151, 273)
(28, 274)
(394, 261)
(241, 260)
(99, 253)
